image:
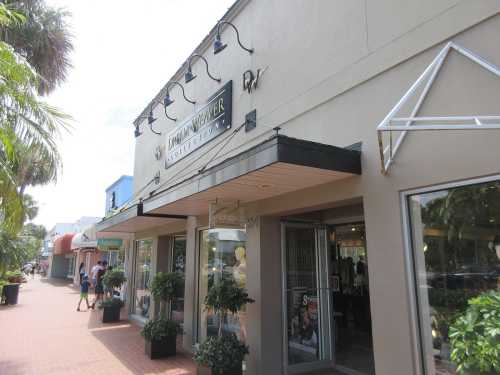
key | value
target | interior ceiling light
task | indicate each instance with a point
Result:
(189, 76)
(219, 46)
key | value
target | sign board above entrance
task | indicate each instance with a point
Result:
(109, 242)
(226, 215)
(213, 119)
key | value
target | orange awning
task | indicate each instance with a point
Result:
(62, 244)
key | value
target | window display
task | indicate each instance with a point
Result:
(142, 279)
(179, 265)
(115, 258)
(302, 295)
(456, 250)
(222, 255)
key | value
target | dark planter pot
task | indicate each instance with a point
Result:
(161, 349)
(11, 293)
(111, 314)
(204, 370)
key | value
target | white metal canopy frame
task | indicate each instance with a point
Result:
(405, 124)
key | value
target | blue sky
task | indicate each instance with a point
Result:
(125, 51)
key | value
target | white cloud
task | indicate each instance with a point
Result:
(125, 51)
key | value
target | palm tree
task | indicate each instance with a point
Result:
(44, 40)
(28, 131)
(34, 165)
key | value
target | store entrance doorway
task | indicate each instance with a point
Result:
(350, 295)
(326, 299)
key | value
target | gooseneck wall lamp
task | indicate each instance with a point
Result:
(219, 46)
(151, 119)
(189, 76)
(137, 132)
(167, 100)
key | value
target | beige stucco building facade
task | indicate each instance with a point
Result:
(330, 73)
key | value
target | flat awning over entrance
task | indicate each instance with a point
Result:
(133, 220)
(276, 166)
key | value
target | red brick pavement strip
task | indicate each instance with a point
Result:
(45, 335)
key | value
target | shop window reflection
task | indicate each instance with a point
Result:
(179, 265)
(222, 256)
(455, 236)
(142, 293)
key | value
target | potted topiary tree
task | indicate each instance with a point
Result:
(475, 336)
(160, 333)
(224, 353)
(113, 279)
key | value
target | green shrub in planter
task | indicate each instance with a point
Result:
(111, 302)
(167, 286)
(15, 277)
(221, 352)
(159, 329)
(111, 310)
(160, 337)
(160, 333)
(475, 336)
(114, 279)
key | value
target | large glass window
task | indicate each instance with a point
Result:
(456, 249)
(142, 279)
(71, 259)
(115, 257)
(179, 265)
(222, 255)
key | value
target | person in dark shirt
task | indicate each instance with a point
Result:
(99, 288)
(84, 292)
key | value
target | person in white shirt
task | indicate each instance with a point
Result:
(94, 271)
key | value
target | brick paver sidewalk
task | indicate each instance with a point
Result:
(44, 335)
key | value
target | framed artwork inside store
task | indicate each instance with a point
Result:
(453, 239)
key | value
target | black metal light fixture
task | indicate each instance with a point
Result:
(167, 100)
(189, 76)
(219, 46)
(150, 119)
(137, 132)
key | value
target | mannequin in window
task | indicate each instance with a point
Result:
(240, 268)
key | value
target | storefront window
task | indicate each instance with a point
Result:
(456, 249)
(71, 265)
(142, 293)
(115, 258)
(179, 265)
(222, 255)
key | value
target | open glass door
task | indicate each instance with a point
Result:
(307, 340)
(350, 295)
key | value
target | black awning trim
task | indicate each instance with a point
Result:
(140, 212)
